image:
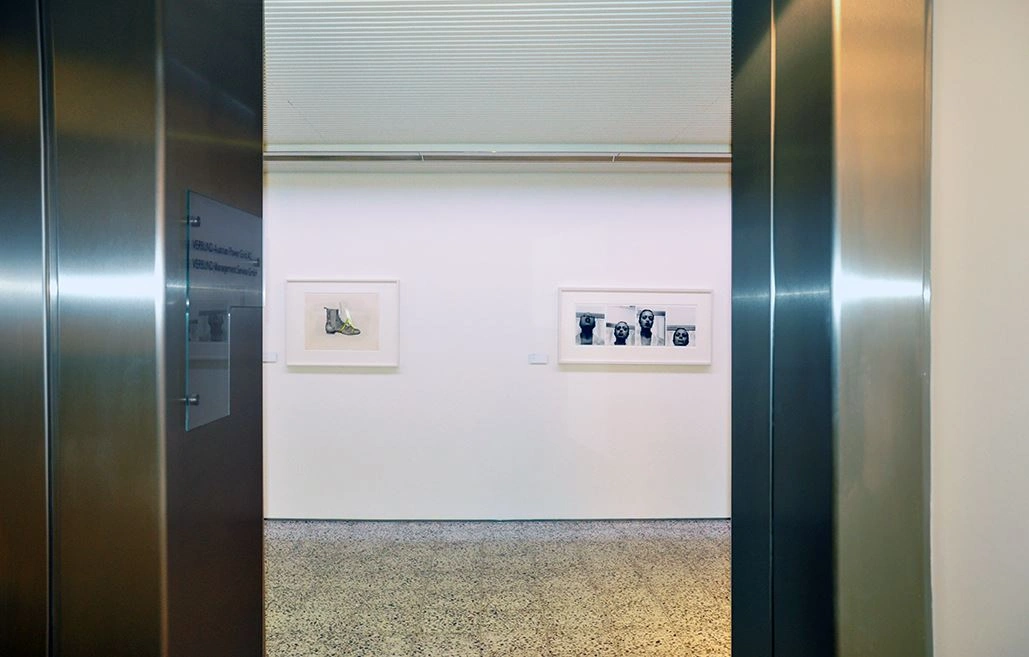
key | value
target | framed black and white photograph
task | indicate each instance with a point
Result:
(342, 323)
(634, 326)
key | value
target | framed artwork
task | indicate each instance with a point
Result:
(342, 323)
(634, 326)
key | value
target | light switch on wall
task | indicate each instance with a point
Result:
(270, 357)
(538, 359)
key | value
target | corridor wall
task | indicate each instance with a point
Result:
(980, 438)
(465, 427)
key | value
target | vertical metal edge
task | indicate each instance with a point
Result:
(752, 335)
(927, 327)
(773, 81)
(49, 296)
(24, 503)
(264, 300)
(802, 381)
(160, 318)
(837, 258)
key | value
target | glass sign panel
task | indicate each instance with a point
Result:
(223, 265)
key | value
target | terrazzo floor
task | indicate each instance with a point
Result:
(456, 589)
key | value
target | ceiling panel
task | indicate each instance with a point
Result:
(436, 73)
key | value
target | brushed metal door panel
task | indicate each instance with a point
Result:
(751, 335)
(848, 371)
(85, 352)
(881, 289)
(212, 52)
(24, 547)
(108, 554)
(802, 390)
(215, 516)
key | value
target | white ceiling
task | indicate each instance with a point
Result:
(442, 74)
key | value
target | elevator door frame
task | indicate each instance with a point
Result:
(753, 605)
(830, 312)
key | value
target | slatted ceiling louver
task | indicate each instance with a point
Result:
(565, 72)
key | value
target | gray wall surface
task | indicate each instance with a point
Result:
(980, 416)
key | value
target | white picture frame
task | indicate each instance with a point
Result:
(323, 315)
(680, 326)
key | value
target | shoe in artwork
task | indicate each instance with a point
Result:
(336, 324)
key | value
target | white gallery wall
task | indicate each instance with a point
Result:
(980, 366)
(465, 427)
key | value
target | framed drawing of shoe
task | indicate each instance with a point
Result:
(342, 323)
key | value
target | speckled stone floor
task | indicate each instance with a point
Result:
(455, 589)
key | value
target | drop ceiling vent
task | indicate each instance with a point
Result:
(452, 75)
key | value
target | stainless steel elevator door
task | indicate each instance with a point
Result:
(23, 469)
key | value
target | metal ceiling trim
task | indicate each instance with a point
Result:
(499, 156)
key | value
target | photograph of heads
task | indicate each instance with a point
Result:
(624, 326)
(681, 327)
(589, 320)
(650, 321)
(620, 325)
